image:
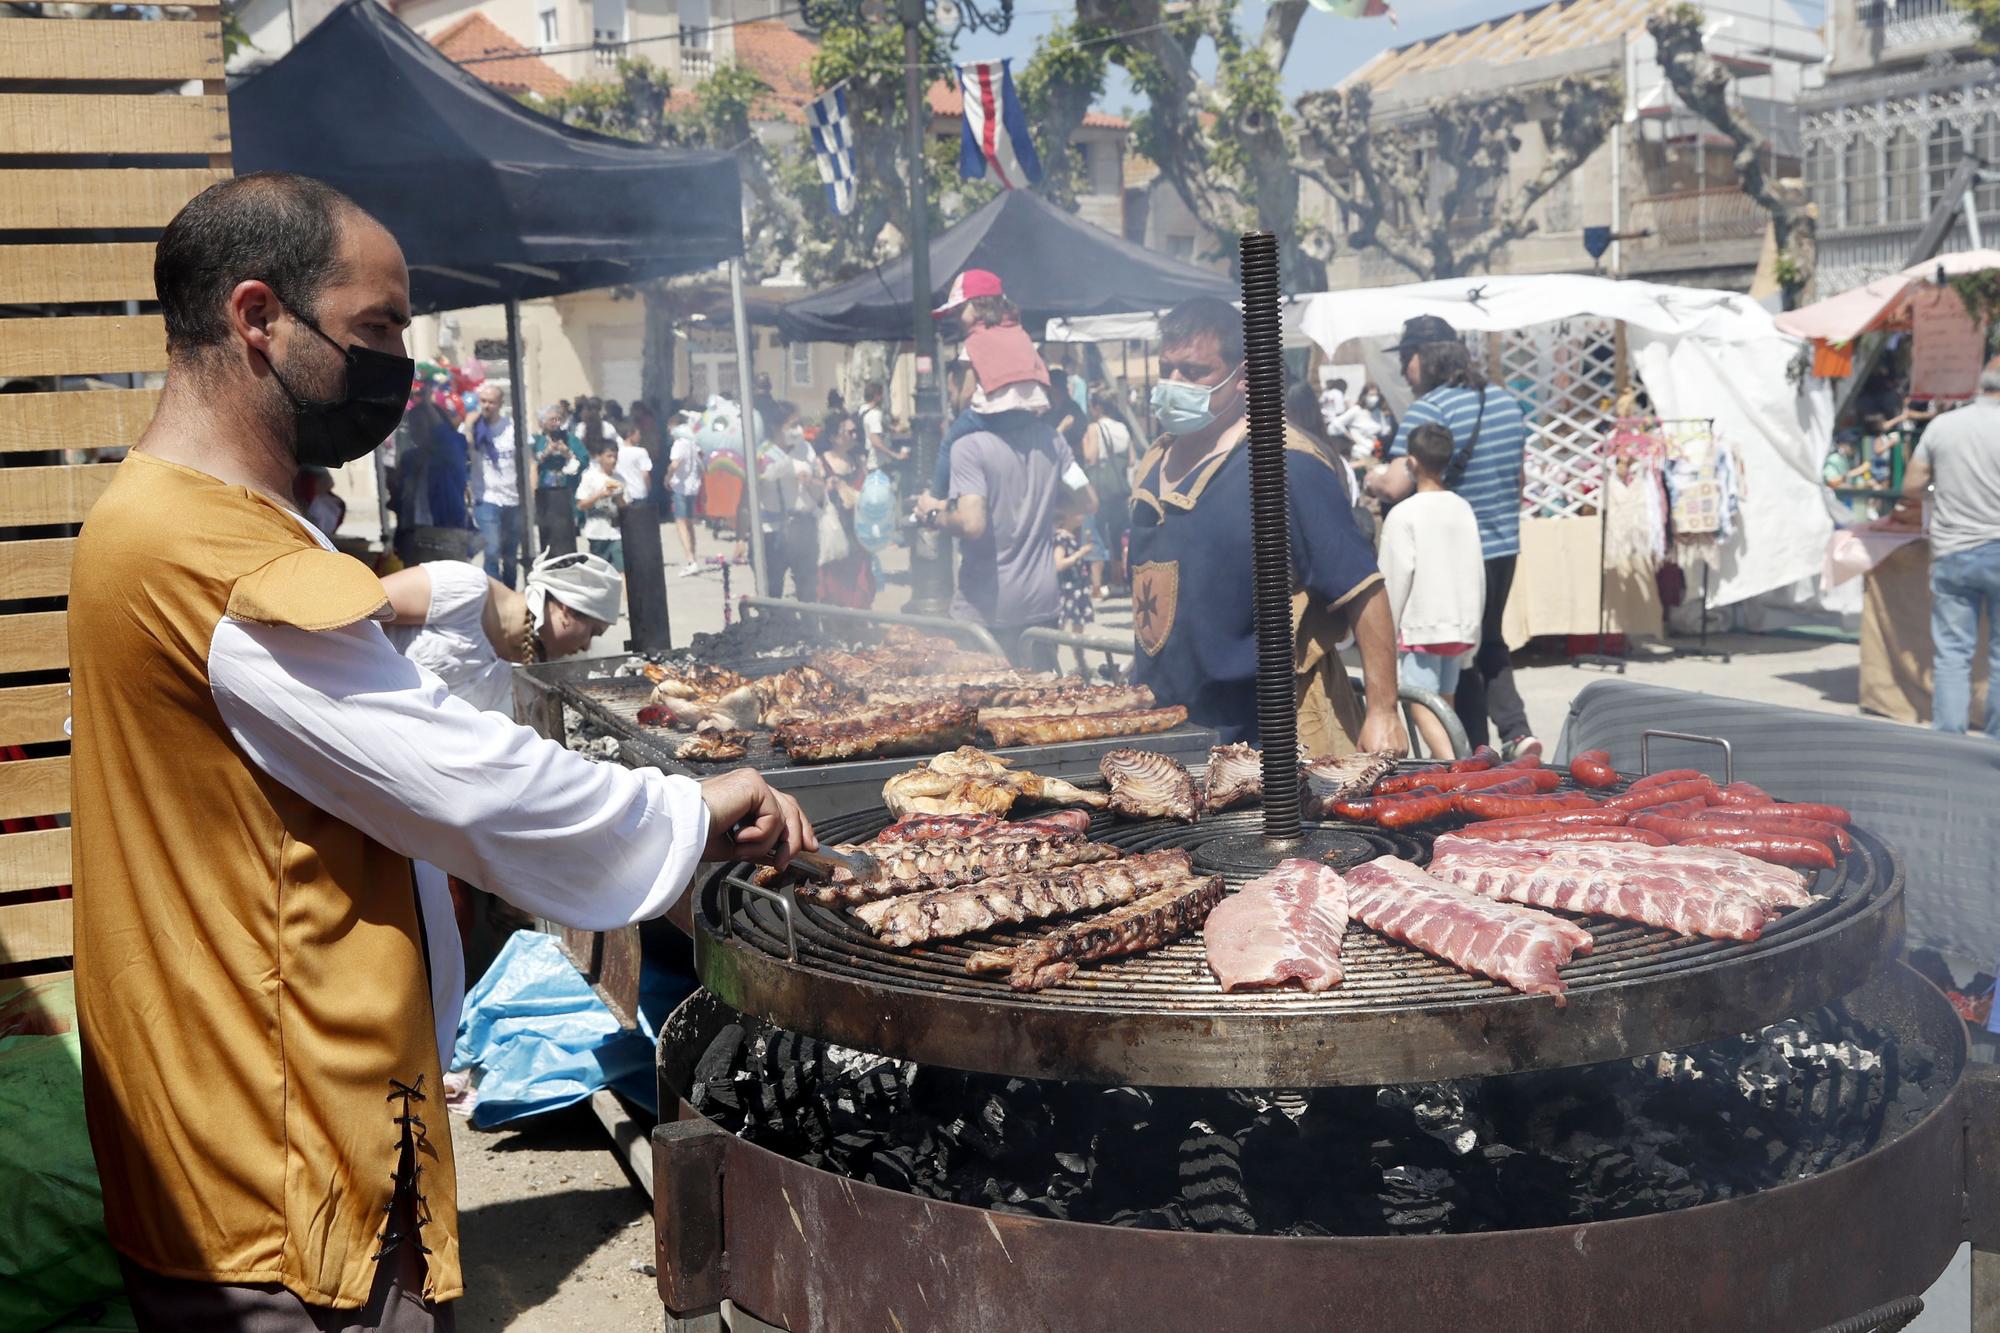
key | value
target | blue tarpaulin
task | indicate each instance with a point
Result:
(538, 1038)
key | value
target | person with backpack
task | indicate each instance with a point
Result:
(1489, 437)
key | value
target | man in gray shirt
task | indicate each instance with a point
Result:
(1959, 460)
(1004, 484)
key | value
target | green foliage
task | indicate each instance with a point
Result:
(1980, 294)
(630, 105)
(1986, 17)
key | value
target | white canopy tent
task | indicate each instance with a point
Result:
(1699, 353)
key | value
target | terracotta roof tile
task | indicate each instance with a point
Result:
(478, 38)
(1563, 25)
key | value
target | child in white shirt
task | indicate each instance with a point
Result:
(600, 494)
(1435, 575)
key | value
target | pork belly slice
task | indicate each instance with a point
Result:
(1009, 900)
(1773, 886)
(1164, 915)
(1284, 927)
(1650, 897)
(1517, 946)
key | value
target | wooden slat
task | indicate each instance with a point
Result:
(33, 713)
(30, 931)
(35, 860)
(118, 197)
(74, 418)
(37, 568)
(109, 49)
(34, 641)
(35, 495)
(55, 123)
(34, 787)
(82, 345)
(30, 274)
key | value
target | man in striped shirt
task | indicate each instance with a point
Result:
(1488, 436)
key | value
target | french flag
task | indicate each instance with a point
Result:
(995, 135)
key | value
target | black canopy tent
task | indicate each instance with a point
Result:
(493, 204)
(1052, 263)
(490, 200)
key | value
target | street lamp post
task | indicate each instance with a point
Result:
(930, 573)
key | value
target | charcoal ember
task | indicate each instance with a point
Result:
(713, 1088)
(1211, 1183)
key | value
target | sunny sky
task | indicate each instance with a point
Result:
(1327, 49)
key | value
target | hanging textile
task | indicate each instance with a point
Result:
(1635, 513)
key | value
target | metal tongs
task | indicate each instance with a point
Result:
(822, 863)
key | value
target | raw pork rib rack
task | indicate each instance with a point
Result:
(1161, 1018)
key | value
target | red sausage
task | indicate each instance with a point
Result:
(1783, 849)
(1592, 768)
(1481, 805)
(1652, 780)
(1482, 758)
(1754, 819)
(1414, 810)
(1589, 815)
(1638, 799)
(1440, 780)
(1527, 830)
(1679, 809)
(1742, 793)
(1831, 814)
(1525, 761)
(1361, 809)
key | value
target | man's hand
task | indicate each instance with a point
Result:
(930, 504)
(1383, 731)
(749, 821)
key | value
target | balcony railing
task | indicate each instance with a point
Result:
(697, 62)
(1907, 23)
(1693, 217)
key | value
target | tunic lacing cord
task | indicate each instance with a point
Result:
(414, 1137)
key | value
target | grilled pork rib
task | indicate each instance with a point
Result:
(1517, 946)
(1164, 915)
(940, 863)
(1351, 775)
(1235, 776)
(1066, 701)
(919, 827)
(1651, 898)
(949, 913)
(1145, 785)
(874, 733)
(1052, 728)
(1284, 926)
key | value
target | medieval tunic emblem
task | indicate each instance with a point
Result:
(1155, 586)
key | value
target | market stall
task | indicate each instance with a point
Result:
(1946, 343)
(1711, 365)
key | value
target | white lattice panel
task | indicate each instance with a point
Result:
(1566, 377)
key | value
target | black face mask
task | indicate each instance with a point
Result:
(351, 426)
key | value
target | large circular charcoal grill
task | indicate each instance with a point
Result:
(1159, 1018)
(783, 1242)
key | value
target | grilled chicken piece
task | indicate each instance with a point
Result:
(713, 746)
(969, 781)
(1351, 775)
(1050, 729)
(1145, 785)
(943, 863)
(1158, 918)
(1235, 776)
(949, 913)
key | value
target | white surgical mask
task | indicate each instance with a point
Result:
(1182, 408)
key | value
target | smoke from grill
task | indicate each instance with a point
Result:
(1621, 1139)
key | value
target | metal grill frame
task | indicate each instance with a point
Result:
(1159, 1018)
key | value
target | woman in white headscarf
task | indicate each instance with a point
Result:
(471, 630)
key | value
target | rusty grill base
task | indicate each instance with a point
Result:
(804, 1249)
(1160, 1018)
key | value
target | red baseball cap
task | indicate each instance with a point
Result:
(972, 283)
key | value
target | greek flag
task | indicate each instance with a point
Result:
(995, 135)
(833, 145)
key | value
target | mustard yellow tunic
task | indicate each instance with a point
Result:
(251, 977)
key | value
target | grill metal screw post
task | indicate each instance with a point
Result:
(1271, 547)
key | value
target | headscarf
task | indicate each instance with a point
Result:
(586, 584)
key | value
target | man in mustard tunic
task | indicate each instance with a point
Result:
(267, 983)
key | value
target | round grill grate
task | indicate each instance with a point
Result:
(1400, 1015)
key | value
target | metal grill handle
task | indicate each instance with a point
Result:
(1728, 751)
(782, 897)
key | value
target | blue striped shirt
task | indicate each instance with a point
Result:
(1492, 480)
